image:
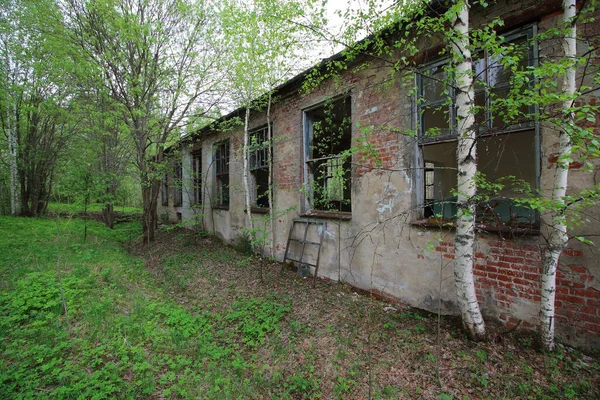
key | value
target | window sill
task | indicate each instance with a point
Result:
(344, 216)
(224, 208)
(425, 140)
(523, 229)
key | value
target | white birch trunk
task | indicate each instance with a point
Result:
(558, 230)
(466, 154)
(270, 181)
(246, 174)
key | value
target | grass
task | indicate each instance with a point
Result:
(189, 318)
(66, 208)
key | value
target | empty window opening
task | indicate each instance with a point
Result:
(506, 143)
(164, 192)
(506, 159)
(197, 177)
(328, 159)
(178, 185)
(221, 160)
(260, 152)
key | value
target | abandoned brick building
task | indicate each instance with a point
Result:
(379, 208)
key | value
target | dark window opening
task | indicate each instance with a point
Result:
(328, 159)
(197, 177)
(164, 192)
(178, 185)
(260, 153)
(504, 159)
(221, 161)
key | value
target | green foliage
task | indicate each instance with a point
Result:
(78, 319)
(255, 318)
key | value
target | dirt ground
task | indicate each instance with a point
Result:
(339, 343)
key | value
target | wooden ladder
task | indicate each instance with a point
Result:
(307, 223)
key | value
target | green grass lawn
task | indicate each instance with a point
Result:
(189, 318)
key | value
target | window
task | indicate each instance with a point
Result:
(164, 192)
(260, 153)
(178, 185)
(506, 143)
(328, 137)
(221, 160)
(493, 83)
(435, 108)
(197, 177)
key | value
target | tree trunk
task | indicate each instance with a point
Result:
(466, 154)
(149, 222)
(108, 215)
(558, 229)
(270, 181)
(246, 174)
(12, 158)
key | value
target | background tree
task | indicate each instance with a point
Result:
(35, 94)
(159, 62)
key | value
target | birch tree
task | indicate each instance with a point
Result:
(558, 238)
(265, 47)
(9, 104)
(466, 155)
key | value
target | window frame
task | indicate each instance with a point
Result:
(260, 155)
(221, 158)
(196, 157)
(178, 185)
(164, 192)
(308, 161)
(527, 31)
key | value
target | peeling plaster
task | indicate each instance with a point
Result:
(325, 232)
(371, 110)
(386, 199)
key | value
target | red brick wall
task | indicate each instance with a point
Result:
(510, 273)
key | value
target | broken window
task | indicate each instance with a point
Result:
(221, 160)
(164, 192)
(197, 177)
(506, 145)
(260, 152)
(494, 76)
(328, 137)
(178, 185)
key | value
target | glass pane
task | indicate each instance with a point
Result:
(434, 85)
(480, 104)
(480, 73)
(435, 121)
(498, 73)
(508, 114)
